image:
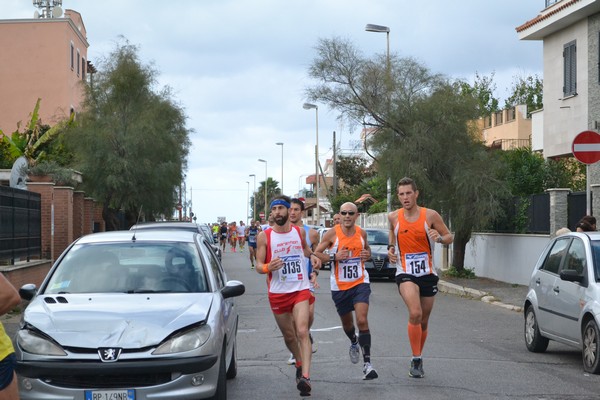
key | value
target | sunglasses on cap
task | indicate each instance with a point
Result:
(348, 212)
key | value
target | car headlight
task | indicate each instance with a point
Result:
(185, 341)
(36, 344)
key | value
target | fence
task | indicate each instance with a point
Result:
(20, 224)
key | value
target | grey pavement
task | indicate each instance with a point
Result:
(507, 295)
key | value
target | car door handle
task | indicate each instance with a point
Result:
(537, 281)
(556, 289)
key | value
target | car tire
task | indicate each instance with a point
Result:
(590, 347)
(232, 370)
(221, 392)
(534, 340)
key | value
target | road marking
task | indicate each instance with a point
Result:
(326, 329)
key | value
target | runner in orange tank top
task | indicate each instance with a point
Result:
(350, 287)
(414, 231)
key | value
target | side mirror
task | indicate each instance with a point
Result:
(571, 275)
(27, 291)
(233, 289)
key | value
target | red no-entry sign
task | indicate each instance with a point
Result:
(586, 147)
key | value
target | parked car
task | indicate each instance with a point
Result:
(321, 232)
(209, 233)
(131, 315)
(563, 301)
(378, 266)
(181, 225)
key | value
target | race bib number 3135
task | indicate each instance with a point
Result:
(292, 268)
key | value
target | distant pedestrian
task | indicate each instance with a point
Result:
(251, 234)
(586, 224)
(337, 218)
(241, 235)
(223, 232)
(414, 230)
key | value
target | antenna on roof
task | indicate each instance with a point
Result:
(48, 8)
(137, 222)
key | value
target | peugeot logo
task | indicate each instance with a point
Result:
(109, 354)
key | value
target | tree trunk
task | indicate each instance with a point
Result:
(110, 219)
(458, 254)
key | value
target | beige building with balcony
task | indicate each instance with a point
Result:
(507, 129)
(42, 58)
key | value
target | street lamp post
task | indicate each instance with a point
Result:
(386, 30)
(247, 200)
(281, 144)
(308, 106)
(254, 197)
(265, 161)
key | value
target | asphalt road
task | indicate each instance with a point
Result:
(474, 350)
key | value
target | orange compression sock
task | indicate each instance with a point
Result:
(415, 335)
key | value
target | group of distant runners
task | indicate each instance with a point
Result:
(291, 254)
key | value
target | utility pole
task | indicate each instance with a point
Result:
(335, 183)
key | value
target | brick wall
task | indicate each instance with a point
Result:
(98, 220)
(63, 219)
(31, 272)
(88, 215)
(78, 213)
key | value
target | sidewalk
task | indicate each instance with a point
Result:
(502, 294)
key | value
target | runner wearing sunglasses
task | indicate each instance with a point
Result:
(350, 287)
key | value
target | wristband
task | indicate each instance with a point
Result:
(316, 272)
(265, 268)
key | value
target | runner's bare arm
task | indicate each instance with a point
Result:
(392, 218)
(261, 251)
(438, 232)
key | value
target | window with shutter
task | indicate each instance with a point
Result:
(570, 69)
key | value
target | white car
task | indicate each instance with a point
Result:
(130, 315)
(563, 301)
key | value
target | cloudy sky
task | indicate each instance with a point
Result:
(239, 69)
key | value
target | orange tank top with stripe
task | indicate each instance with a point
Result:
(350, 272)
(415, 249)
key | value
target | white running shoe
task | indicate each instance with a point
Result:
(369, 372)
(291, 360)
(354, 353)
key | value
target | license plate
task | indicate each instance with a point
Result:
(124, 394)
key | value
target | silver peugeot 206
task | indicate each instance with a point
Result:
(132, 315)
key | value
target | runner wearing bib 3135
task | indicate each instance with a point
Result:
(280, 253)
(414, 231)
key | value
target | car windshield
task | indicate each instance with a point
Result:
(377, 238)
(129, 268)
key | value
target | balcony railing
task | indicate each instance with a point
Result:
(510, 144)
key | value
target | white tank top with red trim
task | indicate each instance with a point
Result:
(293, 277)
